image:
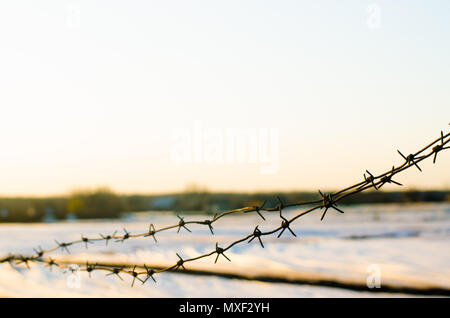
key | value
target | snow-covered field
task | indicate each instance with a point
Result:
(408, 243)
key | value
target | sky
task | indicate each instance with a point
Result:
(142, 96)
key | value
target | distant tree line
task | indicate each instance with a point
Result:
(104, 203)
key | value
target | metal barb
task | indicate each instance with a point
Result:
(280, 206)
(150, 273)
(63, 246)
(90, 268)
(388, 179)
(182, 224)
(370, 179)
(285, 225)
(258, 209)
(209, 224)
(25, 260)
(116, 271)
(108, 237)
(50, 263)
(135, 276)
(126, 236)
(151, 232)
(220, 251)
(439, 147)
(180, 263)
(410, 159)
(39, 252)
(257, 234)
(328, 202)
(86, 241)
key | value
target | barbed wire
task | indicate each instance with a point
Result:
(327, 201)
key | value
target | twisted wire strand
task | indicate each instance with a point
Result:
(327, 201)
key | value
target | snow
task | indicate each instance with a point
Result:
(409, 243)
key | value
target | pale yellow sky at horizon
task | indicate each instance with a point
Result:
(93, 93)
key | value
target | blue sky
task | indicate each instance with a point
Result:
(91, 91)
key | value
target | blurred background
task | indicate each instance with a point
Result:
(121, 112)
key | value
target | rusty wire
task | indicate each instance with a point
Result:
(327, 201)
